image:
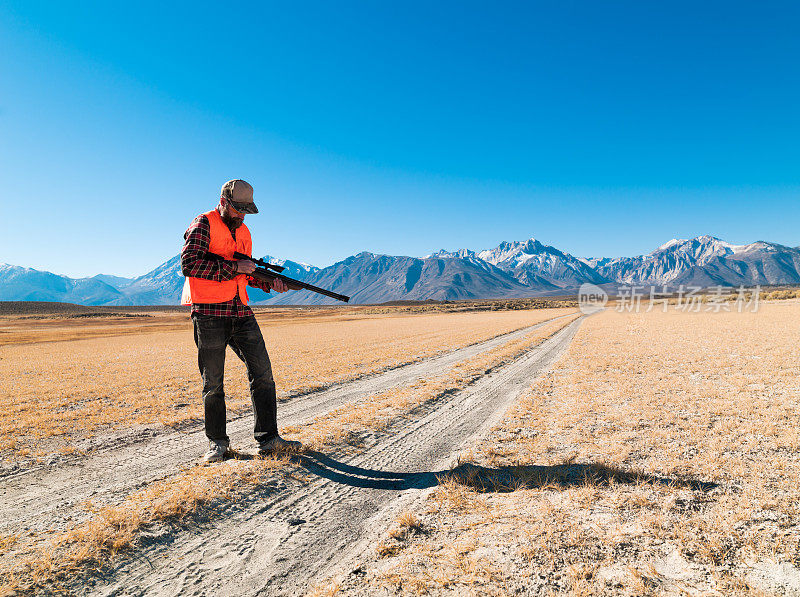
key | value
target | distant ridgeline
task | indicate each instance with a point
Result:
(513, 269)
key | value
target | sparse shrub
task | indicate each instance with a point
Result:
(386, 549)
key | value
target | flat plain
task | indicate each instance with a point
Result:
(527, 452)
(102, 433)
(660, 455)
(66, 380)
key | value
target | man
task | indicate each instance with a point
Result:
(216, 287)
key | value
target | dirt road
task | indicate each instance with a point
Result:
(46, 497)
(282, 539)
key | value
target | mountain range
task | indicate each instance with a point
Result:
(512, 269)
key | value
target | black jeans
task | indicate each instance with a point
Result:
(212, 336)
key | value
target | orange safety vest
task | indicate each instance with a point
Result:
(198, 290)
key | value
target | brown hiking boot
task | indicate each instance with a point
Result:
(278, 445)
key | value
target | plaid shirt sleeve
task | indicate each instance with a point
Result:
(194, 262)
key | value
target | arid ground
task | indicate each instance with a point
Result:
(660, 455)
(102, 425)
(516, 451)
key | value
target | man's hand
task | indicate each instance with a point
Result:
(279, 285)
(245, 266)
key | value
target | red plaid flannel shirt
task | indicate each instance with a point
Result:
(195, 264)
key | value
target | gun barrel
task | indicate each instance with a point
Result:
(298, 285)
(265, 274)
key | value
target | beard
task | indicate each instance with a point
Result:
(232, 223)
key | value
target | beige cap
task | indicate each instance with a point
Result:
(240, 193)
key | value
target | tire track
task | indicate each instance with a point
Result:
(49, 498)
(281, 540)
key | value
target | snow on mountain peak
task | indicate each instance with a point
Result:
(670, 243)
(440, 254)
(701, 248)
(515, 250)
(288, 263)
(445, 254)
(704, 260)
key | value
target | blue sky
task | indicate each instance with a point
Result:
(401, 128)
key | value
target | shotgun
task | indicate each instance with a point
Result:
(269, 271)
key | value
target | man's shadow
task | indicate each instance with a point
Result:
(485, 479)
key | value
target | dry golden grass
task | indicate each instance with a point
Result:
(781, 295)
(7, 540)
(55, 393)
(606, 448)
(409, 521)
(44, 563)
(324, 590)
(16, 330)
(46, 560)
(344, 424)
(406, 524)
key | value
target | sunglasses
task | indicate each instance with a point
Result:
(243, 208)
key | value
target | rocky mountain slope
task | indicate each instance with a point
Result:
(26, 284)
(370, 278)
(531, 262)
(512, 269)
(705, 261)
